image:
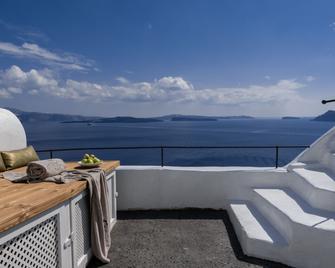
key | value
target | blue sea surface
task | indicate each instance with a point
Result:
(255, 132)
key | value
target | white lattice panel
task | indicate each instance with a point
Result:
(35, 248)
(82, 228)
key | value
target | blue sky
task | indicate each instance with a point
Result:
(143, 58)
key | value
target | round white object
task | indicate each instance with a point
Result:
(12, 134)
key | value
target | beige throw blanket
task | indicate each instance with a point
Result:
(42, 169)
(53, 170)
(100, 217)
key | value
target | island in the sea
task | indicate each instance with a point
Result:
(188, 118)
(202, 118)
(328, 116)
(117, 119)
(175, 118)
(29, 117)
(290, 118)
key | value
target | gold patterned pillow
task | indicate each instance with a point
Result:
(2, 165)
(19, 158)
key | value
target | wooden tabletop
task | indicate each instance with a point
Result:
(21, 201)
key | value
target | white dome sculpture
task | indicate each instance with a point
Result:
(12, 134)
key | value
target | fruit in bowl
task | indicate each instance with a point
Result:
(90, 160)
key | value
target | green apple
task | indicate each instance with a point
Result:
(90, 159)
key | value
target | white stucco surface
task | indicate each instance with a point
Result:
(201, 169)
(12, 134)
(201, 187)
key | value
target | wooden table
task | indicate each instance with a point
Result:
(21, 201)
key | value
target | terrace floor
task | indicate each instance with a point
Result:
(177, 238)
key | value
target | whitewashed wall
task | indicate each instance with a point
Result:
(152, 187)
(320, 151)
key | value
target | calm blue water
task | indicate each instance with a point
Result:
(220, 133)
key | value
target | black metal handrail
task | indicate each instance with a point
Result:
(162, 148)
(327, 101)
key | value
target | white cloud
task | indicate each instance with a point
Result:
(4, 94)
(25, 33)
(15, 77)
(332, 25)
(14, 90)
(267, 77)
(281, 91)
(310, 78)
(122, 80)
(173, 83)
(166, 89)
(34, 51)
(33, 92)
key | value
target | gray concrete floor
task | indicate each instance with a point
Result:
(177, 238)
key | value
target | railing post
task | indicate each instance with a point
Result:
(162, 156)
(51, 156)
(277, 156)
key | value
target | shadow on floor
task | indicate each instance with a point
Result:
(177, 238)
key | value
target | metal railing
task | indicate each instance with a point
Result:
(162, 148)
(327, 101)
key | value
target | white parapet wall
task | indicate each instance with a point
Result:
(320, 151)
(153, 187)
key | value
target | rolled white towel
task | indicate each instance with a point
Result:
(42, 169)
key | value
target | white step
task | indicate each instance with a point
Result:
(257, 236)
(310, 232)
(298, 211)
(316, 187)
(318, 179)
(296, 165)
(329, 161)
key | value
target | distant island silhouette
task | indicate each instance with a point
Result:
(290, 118)
(69, 118)
(327, 116)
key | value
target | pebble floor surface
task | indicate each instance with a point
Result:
(177, 238)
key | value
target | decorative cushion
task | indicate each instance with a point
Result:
(19, 158)
(2, 165)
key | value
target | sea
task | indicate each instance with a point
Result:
(230, 132)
